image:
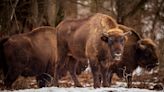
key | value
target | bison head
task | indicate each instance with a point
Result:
(147, 54)
(115, 38)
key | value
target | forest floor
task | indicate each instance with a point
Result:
(153, 82)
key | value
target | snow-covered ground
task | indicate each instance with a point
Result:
(119, 86)
(88, 89)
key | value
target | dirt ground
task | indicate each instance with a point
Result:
(153, 81)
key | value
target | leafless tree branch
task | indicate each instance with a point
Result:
(13, 12)
(157, 14)
(13, 7)
(87, 5)
(131, 12)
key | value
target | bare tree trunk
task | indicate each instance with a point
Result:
(70, 8)
(161, 54)
(5, 16)
(30, 21)
(94, 6)
(51, 12)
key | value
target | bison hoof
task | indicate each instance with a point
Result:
(56, 84)
(129, 86)
(105, 85)
(96, 86)
(78, 85)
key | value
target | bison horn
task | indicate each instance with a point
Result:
(125, 28)
(141, 45)
(127, 33)
(105, 34)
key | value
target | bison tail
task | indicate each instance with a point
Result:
(2, 59)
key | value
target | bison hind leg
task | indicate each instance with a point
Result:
(44, 80)
(72, 70)
(10, 78)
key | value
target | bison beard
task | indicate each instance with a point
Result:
(29, 54)
(98, 39)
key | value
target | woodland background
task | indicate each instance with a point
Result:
(145, 16)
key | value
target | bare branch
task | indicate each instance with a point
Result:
(13, 7)
(13, 12)
(87, 5)
(132, 11)
(157, 15)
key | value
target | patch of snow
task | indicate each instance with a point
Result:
(120, 84)
(88, 89)
(88, 69)
(138, 71)
(118, 87)
(87, 85)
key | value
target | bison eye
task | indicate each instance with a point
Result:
(104, 38)
(110, 40)
(121, 39)
(147, 54)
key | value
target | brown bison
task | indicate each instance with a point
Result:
(98, 39)
(29, 54)
(137, 52)
(67, 28)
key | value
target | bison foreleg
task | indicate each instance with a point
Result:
(110, 75)
(95, 73)
(129, 80)
(56, 76)
(105, 78)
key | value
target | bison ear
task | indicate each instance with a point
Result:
(104, 37)
(140, 45)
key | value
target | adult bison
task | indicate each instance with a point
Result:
(98, 39)
(29, 54)
(66, 30)
(138, 52)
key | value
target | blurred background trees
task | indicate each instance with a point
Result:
(145, 16)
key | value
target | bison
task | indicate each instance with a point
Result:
(137, 52)
(98, 40)
(66, 29)
(29, 54)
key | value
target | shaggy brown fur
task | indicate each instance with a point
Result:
(137, 52)
(29, 54)
(66, 30)
(99, 39)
